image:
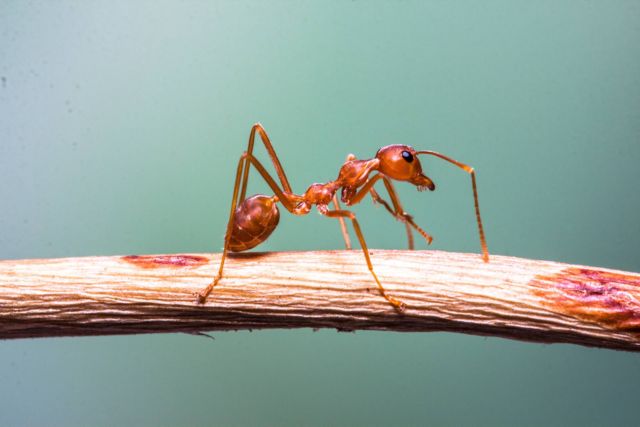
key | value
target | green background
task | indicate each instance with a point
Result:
(120, 127)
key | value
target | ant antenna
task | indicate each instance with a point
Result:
(470, 171)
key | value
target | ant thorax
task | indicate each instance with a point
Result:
(354, 174)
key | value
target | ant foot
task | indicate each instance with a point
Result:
(398, 305)
(201, 297)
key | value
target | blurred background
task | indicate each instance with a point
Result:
(120, 127)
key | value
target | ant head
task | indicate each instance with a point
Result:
(400, 162)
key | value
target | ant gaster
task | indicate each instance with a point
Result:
(253, 219)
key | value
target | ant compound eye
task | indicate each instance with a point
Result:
(407, 156)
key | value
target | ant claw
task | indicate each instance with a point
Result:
(400, 306)
(200, 299)
(201, 295)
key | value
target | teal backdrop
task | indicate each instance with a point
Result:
(120, 127)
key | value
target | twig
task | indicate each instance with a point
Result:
(508, 297)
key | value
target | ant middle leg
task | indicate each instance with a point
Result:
(336, 205)
(343, 225)
(398, 305)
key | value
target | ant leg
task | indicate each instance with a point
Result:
(204, 293)
(401, 214)
(470, 171)
(336, 204)
(400, 306)
(377, 199)
(287, 200)
(274, 159)
(343, 226)
(398, 212)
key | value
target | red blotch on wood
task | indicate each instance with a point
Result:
(607, 298)
(157, 261)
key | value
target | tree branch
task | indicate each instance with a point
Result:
(507, 297)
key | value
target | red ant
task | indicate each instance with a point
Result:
(253, 219)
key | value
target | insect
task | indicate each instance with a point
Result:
(253, 219)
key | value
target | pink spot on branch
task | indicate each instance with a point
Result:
(609, 299)
(158, 261)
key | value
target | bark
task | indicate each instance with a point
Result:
(509, 297)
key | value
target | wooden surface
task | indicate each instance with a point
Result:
(507, 297)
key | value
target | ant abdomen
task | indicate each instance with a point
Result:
(253, 222)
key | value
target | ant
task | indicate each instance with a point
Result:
(253, 219)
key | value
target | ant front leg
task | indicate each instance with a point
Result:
(398, 305)
(377, 199)
(401, 215)
(397, 211)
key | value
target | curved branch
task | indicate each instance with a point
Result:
(508, 297)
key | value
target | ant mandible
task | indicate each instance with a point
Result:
(253, 219)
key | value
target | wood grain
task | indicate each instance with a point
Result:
(509, 297)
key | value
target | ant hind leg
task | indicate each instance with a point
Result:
(204, 293)
(272, 154)
(287, 199)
